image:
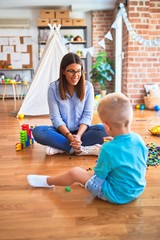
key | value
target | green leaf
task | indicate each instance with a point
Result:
(102, 70)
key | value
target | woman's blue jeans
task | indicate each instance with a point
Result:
(49, 136)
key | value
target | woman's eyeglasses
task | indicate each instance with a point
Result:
(73, 72)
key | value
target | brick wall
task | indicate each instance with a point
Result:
(101, 24)
(141, 64)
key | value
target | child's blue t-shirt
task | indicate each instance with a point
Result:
(122, 163)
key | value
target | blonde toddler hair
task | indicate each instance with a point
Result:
(116, 109)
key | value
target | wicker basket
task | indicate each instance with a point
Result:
(151, 102)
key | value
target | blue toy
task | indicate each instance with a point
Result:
(157, 108)
(142, 107)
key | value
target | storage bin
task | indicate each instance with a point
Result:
(47, 13)
(55, 21)
(62, 13)
(151, 102)
(42, 22)
(67, 22)
(78, 22)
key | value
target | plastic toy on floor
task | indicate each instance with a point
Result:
(153, 155)
(155, 130)
(26, 138)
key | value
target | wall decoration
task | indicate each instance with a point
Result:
(121, 13)
(16, 51)
(133, 34)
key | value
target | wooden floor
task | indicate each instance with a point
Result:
(40, 214)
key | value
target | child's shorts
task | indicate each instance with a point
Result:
(94, 185)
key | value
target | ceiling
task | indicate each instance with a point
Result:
(73, 5)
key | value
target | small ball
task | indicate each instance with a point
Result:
(137, 106)
(157, 108)
(142, 107)
(21, 116)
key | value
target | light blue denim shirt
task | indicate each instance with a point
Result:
(70, 112)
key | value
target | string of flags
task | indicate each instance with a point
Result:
(122, 12)
(134, 35)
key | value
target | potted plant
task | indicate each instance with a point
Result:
(71, 38)
(66, 36)
(102, 70)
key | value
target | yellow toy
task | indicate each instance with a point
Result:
(10, 66)
(19, 146)
(155, 130)
(137, 106)
(25, 82)
(20, 116)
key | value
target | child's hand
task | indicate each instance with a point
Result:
(108, 139)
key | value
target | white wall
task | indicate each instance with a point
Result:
(32, 15)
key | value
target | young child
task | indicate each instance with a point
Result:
(119, 174)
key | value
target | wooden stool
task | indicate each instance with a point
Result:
(14, 88)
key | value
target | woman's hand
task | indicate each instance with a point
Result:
(76, 143)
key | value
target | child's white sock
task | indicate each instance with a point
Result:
(38, 181)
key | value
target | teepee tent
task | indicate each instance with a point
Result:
(35, 102)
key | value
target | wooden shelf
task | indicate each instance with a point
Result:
(15, 69)
(72, 42)
(65, 27)
(66, 30)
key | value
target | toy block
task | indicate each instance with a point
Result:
(26, 138)
(19, 146)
